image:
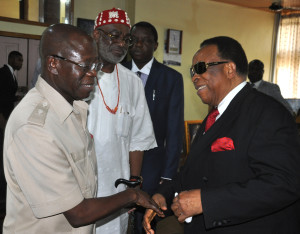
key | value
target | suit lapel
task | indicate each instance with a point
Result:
(151, 85)
(13, 83)
(222, 126)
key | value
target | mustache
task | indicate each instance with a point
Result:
(117, 47)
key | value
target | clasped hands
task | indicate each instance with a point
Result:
(185, 204)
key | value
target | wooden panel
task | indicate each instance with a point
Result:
(33, 56)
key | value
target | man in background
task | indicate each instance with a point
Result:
(8, 89)
(49, 156)
(255, 75)
(242, 174)
(118, 117)
(9, 83)
(164, 93)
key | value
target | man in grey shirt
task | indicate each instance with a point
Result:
(255, 75)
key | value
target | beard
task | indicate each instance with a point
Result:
(105, 52)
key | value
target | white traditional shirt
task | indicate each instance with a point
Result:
(130, 129)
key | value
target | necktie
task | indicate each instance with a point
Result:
(15, 79)
(211, 118)
(143, 77)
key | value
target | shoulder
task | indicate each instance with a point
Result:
(268, 84)
(165, 68)
(259, 102)
(166, 71)
(4, 68)
(33, 109)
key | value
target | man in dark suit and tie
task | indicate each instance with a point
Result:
(242, 174)
(255, 74)
(164, 94)
(8, 89)
(9, 83)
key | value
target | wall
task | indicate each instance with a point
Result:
(199, 20)
(6, 6)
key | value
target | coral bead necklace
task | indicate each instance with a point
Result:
(113, 111)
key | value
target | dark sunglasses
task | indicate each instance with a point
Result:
(201, 67)
(86, 68)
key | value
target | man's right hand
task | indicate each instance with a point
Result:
(144, 200)
(150, 213)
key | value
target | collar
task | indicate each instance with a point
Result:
(257, 83)
(228, 98)
(146, 69)
(11, 69)
(58, 103)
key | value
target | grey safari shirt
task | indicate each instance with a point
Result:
(49, 163)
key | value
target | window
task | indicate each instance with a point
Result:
(287, 68)
(43, 11)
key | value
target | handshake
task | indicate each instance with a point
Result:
(185, 205)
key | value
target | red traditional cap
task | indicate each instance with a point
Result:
(112, 16)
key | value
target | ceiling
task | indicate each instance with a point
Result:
(264, 4)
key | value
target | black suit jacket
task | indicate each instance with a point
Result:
(253, 188)
(164, 95)
(8, 89)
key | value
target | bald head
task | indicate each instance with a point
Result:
(61, 39)
(68, 59)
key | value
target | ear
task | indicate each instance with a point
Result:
(230, 70)
(96, 35)
(52, 65)
(155, 46)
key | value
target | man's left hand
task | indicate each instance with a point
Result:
(187, 204)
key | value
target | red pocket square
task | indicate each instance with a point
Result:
(222, 144)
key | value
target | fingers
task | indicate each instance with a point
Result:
(148, 217)
(160, 200)
(181, 218)
(187, 204)
(178, 212)
(144, 200)
(154, 206)
(176, 209)
(131, 210)
(152, 215)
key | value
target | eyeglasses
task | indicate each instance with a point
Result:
(86, 68)
(201, 67)
(117, 37)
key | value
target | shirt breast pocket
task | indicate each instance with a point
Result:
(124, 120)
(80, 169)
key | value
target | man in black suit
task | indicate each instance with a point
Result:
(242, 174)
(164, 94)
(9, 83)
(255, 74)
(8, 89)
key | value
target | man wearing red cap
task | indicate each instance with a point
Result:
(118, 118)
